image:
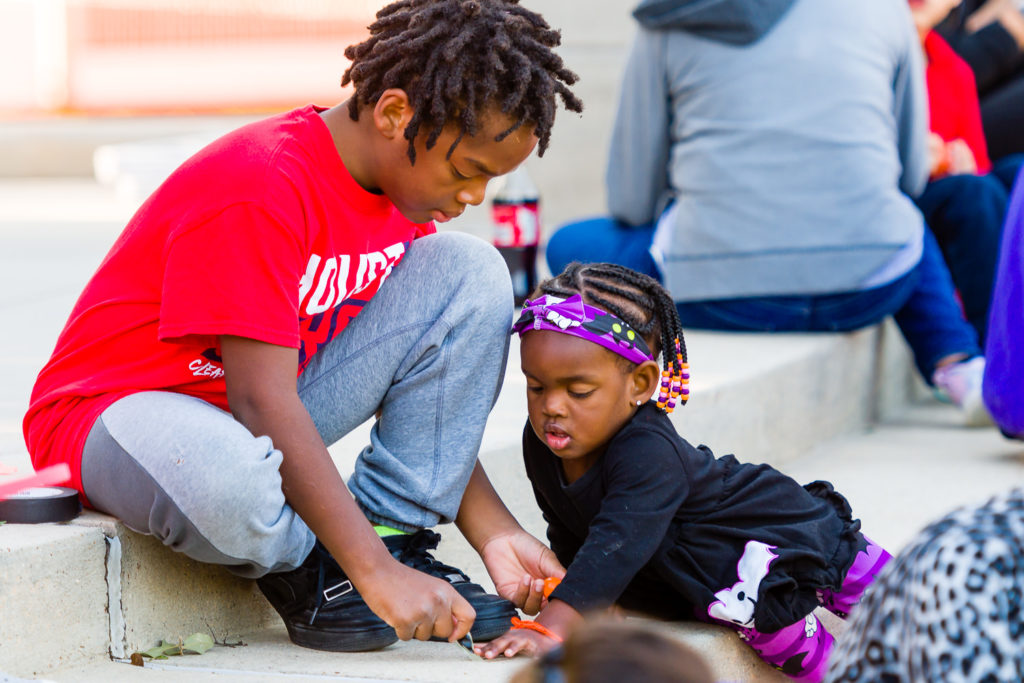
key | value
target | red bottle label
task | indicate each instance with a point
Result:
(516, 224)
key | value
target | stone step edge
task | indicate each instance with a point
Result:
(147, 581)
(837, 384)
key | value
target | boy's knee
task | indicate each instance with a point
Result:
(483, 276)
(236, 492)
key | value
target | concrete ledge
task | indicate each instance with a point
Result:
(53, 597)
(92, 590)
(771, 397)
(157, 594)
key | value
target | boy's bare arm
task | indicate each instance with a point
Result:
(263, 396)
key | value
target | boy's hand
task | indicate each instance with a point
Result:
(418, 605)
(518, 563)
(516, 642)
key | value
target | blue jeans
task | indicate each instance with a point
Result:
(965, 213)
(922, 302)
(428, 351)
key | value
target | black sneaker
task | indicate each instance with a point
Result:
(493, 613)
(322, 609)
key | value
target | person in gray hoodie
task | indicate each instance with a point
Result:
(762, 162)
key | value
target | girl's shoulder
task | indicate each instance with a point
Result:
(652, 429)
(650, 418)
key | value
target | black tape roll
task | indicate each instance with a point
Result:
(43, 504)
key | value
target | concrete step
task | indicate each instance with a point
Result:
(53, 597)
(92, 590)
(913, 468)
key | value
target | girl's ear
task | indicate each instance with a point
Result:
(392, 113)
(644, 380)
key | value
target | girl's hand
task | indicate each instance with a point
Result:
(518, 563)
(516, 641)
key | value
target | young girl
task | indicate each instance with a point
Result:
(644, 520)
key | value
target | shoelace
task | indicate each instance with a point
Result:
(415, 553)
(320, 573)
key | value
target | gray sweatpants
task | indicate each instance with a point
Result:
(428, 350)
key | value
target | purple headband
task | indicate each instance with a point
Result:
(572, 316)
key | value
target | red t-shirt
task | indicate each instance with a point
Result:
(953, 99)
(263, 234)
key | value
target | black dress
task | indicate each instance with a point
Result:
(658, 526)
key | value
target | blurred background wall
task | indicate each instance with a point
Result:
(76, 75)
(102, 56)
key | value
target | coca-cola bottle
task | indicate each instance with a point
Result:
(515, 212)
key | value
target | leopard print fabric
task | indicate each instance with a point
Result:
(948, 608)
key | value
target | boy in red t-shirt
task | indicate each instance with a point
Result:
(284, 285)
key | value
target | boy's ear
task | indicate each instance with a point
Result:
(392, 113)
(645, 379)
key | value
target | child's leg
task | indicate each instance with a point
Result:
(866, 566)
(188, 473)
(429, 350)
(800, 650)
(965, 213)
(602, 239)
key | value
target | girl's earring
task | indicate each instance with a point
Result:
(639, 403)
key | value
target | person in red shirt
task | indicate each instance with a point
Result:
(966, 198)
(287, 283)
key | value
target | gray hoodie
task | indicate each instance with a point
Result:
(785, 134)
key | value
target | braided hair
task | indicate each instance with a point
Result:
(455, 58)
(638, 299)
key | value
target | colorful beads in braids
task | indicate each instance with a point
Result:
(675, 383)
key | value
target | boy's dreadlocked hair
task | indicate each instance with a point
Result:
(455, 57)
(638, 299)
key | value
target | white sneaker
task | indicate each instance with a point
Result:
(961, 382)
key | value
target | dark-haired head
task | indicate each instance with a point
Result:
(638, 299)
(459, 59)
(618, 652)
